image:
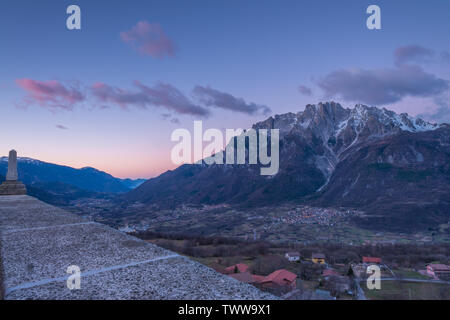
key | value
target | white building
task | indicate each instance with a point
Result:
(127, 229)
(292, 256)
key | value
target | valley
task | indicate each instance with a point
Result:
(284, 223)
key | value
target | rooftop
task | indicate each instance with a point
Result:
(439, 267)
(240, 267)
(280, 276)
(329, 272)
(371, 260)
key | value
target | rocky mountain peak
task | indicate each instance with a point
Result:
(330, 130)
(330, 120)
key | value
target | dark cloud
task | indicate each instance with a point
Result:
(165, 95)
(382, 86)
(60, 126)
(53, 95)
(412, 54)
(441, 115)
(167, 116)
(304, 90)
(161, 95)
(149, 39)
(121, 97)
(214, 98)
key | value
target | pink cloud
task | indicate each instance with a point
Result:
(149, 39)
(52, 94)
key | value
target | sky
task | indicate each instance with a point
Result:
(110, 95)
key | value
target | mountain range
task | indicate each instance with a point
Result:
(393, 167)
(59, 184)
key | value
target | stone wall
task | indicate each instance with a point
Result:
(39, 242)
(1, 272)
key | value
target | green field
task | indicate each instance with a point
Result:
(411, 274)
(403, 290)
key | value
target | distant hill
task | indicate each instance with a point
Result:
(132, 183)
(58, 193)
(59, 185)
(394, 167)
(39, 173)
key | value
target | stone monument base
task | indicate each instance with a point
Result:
(10, 188)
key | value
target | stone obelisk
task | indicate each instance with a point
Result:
(12, 186)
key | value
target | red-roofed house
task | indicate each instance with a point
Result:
(280, 278)
(371, 260)
(329, 272)
(247, 277)
(258, 278)
(243, 277)
(438, 270)
(237, 268)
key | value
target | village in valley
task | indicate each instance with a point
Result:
(341, 282)
(293, 251)
(321, 271)
(287, 222)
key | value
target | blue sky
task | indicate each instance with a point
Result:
(213, 55)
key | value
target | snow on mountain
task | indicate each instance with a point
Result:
(333, 115)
